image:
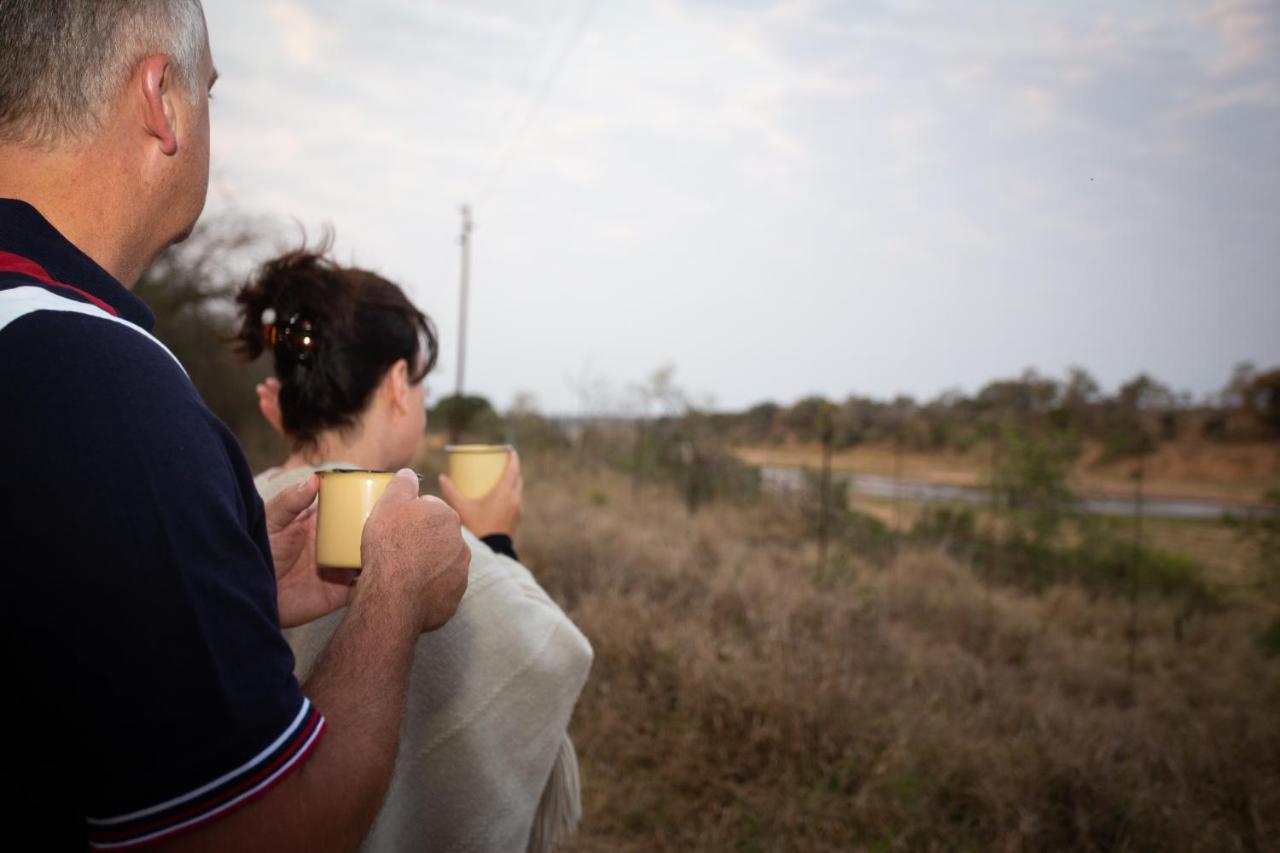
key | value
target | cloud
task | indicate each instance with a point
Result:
(1203, 102)
(1248, 33)
(872, 178)
(302, 35)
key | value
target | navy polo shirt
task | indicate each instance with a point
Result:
(149, 688)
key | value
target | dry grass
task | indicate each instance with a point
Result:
(738, 702)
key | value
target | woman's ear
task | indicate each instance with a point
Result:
(398, 383)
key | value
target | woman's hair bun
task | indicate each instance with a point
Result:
(292, 295)
(333, 332)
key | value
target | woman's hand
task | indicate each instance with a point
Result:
(497, 512)
(269, 403)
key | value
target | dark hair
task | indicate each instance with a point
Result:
(334, 333)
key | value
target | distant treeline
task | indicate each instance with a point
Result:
(190, 289)
(1139, 415)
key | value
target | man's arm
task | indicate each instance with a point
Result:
(416, 573)
(157, 687)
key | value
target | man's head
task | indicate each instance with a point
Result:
(66, 61)
(115, 91)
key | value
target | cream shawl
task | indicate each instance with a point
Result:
(485, 762)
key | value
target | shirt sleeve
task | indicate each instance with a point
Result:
(500, 543)
(152, 651)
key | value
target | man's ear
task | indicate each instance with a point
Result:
(156, 80)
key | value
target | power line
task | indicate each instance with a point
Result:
(501, 162)
(507, 148)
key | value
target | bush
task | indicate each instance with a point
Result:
(1269, 638)
(1262, 530)
(684, 452)
(1101, 562)
(1032, 482)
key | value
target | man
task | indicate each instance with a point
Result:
(149, 697)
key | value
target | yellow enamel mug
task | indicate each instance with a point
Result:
(346, 499)
(476, 468)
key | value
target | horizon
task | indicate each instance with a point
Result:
(619, 406)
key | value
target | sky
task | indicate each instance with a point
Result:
(778, 198)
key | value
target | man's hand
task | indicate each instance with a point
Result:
(269, 403)
(302, 594)
(415, 571)
(413, 554)
(497, 512)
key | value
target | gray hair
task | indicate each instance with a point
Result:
(64, 61)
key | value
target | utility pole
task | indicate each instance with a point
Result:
(827, 431)
(455, 420)
(897, 472)
(1131, 630)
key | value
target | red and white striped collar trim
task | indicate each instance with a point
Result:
(11, 263)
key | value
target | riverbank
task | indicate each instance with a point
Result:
(1233, 474)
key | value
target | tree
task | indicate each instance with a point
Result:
(190, 289)
(676, 437)
(1236, 390)
(1144, 394)
(477, 419)
(1143, 411)
(805, 419)
(859, 419)
(530, 431)
(1079, 399)
(657, 396)
(1261, 398)
(1031, 480)
(758, 421)
(1029, 395)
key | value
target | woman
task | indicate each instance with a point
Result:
(485, 762)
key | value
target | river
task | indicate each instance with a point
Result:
(919, 491)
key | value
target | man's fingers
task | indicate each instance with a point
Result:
(402, 488)
(285, 507)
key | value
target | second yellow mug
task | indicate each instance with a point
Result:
(476, 468)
